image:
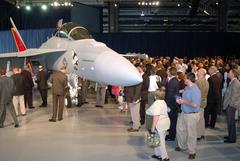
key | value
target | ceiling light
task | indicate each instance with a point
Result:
(66, 4)
(217, 3)
(115, 4)
(190, 6)
(206, 12)
(139, 3)
(28, 8)
(18, 7)
(143, 3)
(153, 3)
(147, 3)
(178, 5)
(157, 3)
(44, 7)
(165, 20)
(55, 4)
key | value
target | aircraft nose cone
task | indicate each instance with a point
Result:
(116, 70)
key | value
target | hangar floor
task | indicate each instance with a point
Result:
(93, 134)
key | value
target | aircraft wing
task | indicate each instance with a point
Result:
(31, 52)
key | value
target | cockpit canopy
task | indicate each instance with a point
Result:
(73, 31)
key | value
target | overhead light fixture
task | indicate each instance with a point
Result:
(178, 4)
(28, 8)
(55, 4)
(115, 5)
(189, 6)
(165, 20)
(151, 3)
(217, 3)
(18, 7)
(44, 7)
(206, 12)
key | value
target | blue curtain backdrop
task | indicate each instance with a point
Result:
(155, 44)
(32, 38)
(189, 44)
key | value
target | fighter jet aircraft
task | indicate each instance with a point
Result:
(73, 47)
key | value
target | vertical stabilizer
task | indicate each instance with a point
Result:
(17, 38)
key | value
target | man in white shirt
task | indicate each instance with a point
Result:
(153, 86)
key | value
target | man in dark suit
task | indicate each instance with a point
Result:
(172, 88)
(213, 98)
(59, 85)
(231, 103)
(220, 77)
(27, 86)
(42, 85)
(144, 94)
(7, 87)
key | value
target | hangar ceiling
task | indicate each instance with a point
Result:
(168, 15)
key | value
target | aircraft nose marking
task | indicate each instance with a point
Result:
(75, 60)
(87, 60)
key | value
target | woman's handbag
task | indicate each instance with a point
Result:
(148, 121)
(153, 140)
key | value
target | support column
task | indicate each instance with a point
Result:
(222, 15)
(113, 11)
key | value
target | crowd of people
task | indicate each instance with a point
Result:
(183, 96)
(16, 92)
(196, 91)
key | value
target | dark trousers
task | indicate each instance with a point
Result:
(79, 97)
(28, 98)
(142, 111)
(82, 97)
(211, 110)
(82, 94)
(173, 115)
(231, 124)
(3, 108)
(43, 93)
(106, 96)
(58, 104)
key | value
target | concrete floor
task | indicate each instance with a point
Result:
(93, 134)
